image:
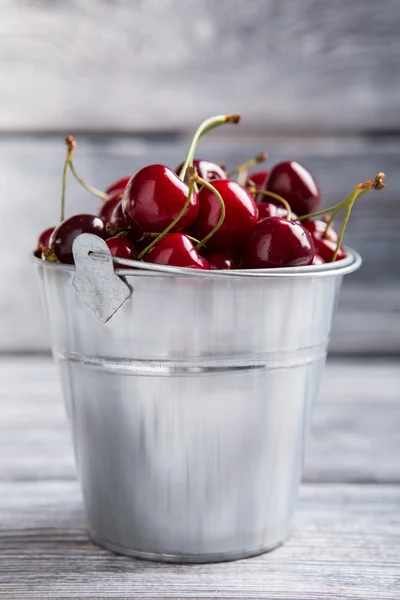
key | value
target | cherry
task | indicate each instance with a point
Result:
(292, 181)
(121, 247)
(318, 228)
(176, 249)
(222, 261)
(277, 242)
(326, 249)
(317, 260)
(241, 213)
(257, 179)
(63, 236)
(207, 170)
(117, 218)
(105, 210)
(120, 184)
(269, 209)
(43, 241)
(155, 196)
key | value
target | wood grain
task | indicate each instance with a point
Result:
(30, 173)
(356, 424)
(346, 544)
(346, 540)
(126, 65)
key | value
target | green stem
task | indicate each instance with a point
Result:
(351, 199)
(337, 208)
(192, 239)
(277, 197)
(329, 222)
(222, 216)
(260, 158)
(87, 185)
(206, 126)
(242, 177)
(69, 140)
(174, 222)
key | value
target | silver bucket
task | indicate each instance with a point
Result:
(189, 394)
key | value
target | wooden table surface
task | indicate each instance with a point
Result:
(346, 540)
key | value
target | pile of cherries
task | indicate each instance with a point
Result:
(203, 217)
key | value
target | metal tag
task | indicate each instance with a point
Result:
(95, 279)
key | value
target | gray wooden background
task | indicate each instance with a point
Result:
(316, 81)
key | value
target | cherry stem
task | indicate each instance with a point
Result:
(206, 126)
(359, 190)
(221, 219)
(242, 177)
(260, 158)
(71, 144)
(192, 239)
(376, 184)
(329, 223)
(87, 185)
(277, 197)
(191, 182)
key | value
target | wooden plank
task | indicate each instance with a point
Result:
(116, 65)
(30, 173)
(354, 436)
(346, 544)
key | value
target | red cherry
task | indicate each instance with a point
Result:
(317, 260)
(241, 213)
(269, 209)
(120, 184)
(43, 241)
(121, 247)
(176, 250)
(105, 210)
(277, 242)
(117, 219)
(118, 223)
(317, 229)
(206, 170)
(222, 261)
(326, 249)
(294, 183)
(155, 196)
(258, 179)
(63, 236)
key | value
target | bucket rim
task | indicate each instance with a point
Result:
(347, 265)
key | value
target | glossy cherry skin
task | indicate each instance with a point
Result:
(155, 196)
(326, 250)
(317, 260)
(63, 236)
(241, 214)
(117, 219)
(276, 242)
(120, 184)
(123, 248)
(43, 241)
(177, 250)
(106, 208)
(268, 209)
(257, 179)
(317, 229)
(222, 261)
(206, 170)
(296, 185)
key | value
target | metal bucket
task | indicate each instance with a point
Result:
(190, 404)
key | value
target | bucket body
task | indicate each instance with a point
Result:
(189, 407)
